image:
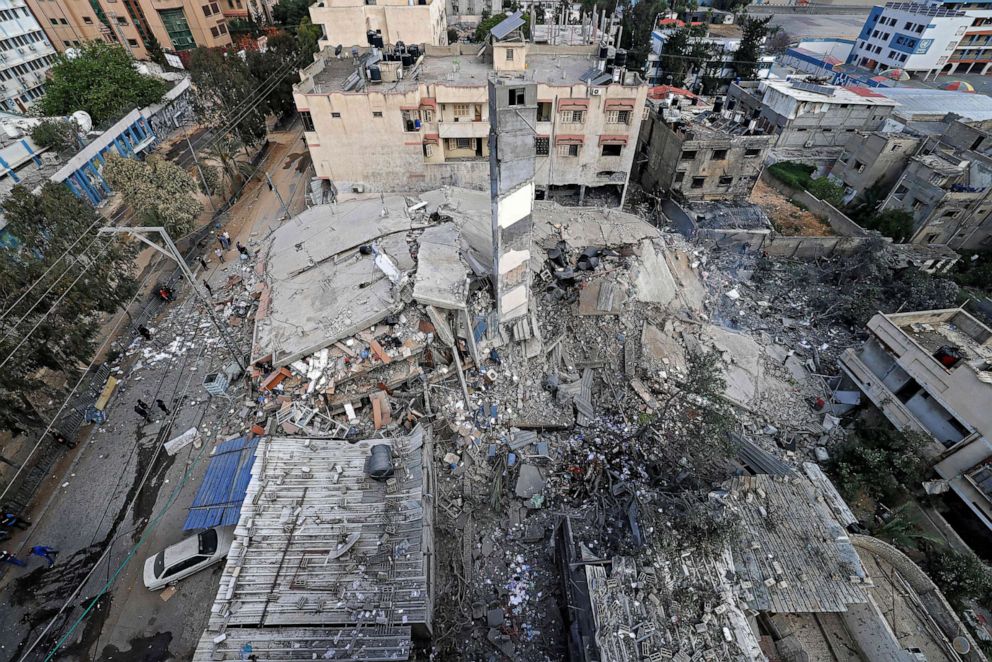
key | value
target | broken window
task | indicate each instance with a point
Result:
(543, 111)
(859, 166)
(679, 177)
(516, 96)
(751, 153)
(698, 182)
(542, 146)
(307, 120)
(573, 116)
(726, 181)
(719, 155)
(689, 155)
(411, 120)
(612, 150)
(568, 150)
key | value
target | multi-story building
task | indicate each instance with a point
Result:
(724, 41)
(693, 153)
(177, 25)
(931, 372)
(393, 121)
(376, 23)
(811, 121)
(25, 56)
(873, 159)
(973, 52)
(914, 37)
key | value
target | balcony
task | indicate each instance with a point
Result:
(463, 129)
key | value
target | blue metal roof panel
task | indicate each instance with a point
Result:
(218, 501)
(508, 25)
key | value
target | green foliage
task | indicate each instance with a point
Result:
(881, 462)
(488, 23)
(100, 80)
(282, 50)
(225, 154)
(244, 27)
(902, 531)
(638, 21)
(826, 190)
(796, 175)
(685, 51)
(290, 12)
(753, 33)
(155, 52)
(974, 269)
(224, 88)
(307, 36)
(54, 134)
(160, 191)
(896, 224)
(961, 576)
(210, 179)
(45, 225)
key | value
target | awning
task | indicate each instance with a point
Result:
(218, 501)
(427, 101)
(570, 140)
(431, 139)
(573, 104)
(613, 140)
(620, 104)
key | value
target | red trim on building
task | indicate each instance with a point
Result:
(612, 140)
(575, 139)
(428, 101)
(570, 104)
(432, 138)
(417, 143)
(620, 104)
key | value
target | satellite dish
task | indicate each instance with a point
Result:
(83, 121)
(961, 645)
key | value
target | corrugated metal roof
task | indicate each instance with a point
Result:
(508, 25)
(915, 101)
(218, 501)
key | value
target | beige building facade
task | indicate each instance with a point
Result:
(177, 25)
(427, 125)
(349, 22)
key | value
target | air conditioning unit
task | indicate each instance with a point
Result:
(596, 91)
(32, 47)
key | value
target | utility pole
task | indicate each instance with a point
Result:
(206, 187)
(171, 252)
(273, 187)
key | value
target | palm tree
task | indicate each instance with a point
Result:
(224, 154)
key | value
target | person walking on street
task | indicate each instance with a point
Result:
(220, 255)
(10, 520)
(142, 404)
(7, 557)
(203, 263)
(142, 411)
(243, 249)
(209, 289)
(227, 239)
(47, 553)
(145, 333)
(161, 405)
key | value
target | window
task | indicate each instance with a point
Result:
(427, 115)
(428, 150)
(509, 56)
(719, 155)
(618, 117)
(542, 146)
(688, 155)
(859, 166)
(133, 43)
(543, 111)
(697, 182)
(726, 181)
(612, 150)
(463, 143)
(222, 27)
(573, 116)
(516, 95)
(751, 153)
(206, 10)
(214, 31)
(54, 21)
(307, 120)
(461, 110)
(568, 150)
(411, 119)
(87, 20)
(215, 7)
(120, 21)
(184, 565)
(336, 115)
(679, 177)
(207, 541)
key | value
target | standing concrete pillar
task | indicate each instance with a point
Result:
(512, 118)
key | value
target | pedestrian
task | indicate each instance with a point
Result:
(47, 553)
(62, 439)
(142, 404)
(203, 263)
(220, 255)
(161, 405)
(227, 239)
(209, 290)
(145, 333)
(7, 557)
(166, 293)
(10, 520)
(143, 413)
(243, 249)
(220, 240)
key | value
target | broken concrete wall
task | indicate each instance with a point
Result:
(871, 631)
(749, 240)
(805, 248)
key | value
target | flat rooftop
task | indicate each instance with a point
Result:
(829, 93)
(952, 327)
(454, 70)
(916, 103)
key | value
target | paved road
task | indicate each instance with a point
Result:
(104, 507)
(982, 84)
(799, 26)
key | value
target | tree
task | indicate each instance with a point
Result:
(880, 461)
(290, 12)
(961, 576)
(55, 134)
(155, 52)
(896, 224)
(225, 88)
(233, 172)
(684, 52)
(826, 190)
(779, 42)
(44, 226)
(638, 21)
(282, 50)
(307, 36)
(753, 34)
(100, 80)
(160, 191)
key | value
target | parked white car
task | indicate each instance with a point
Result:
(187, 557)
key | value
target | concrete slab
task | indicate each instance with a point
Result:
(742, 355)
(601, 297)
(657, 345)
(654, 280)
(530, 481)
(441, 278)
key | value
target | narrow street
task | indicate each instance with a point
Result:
(119, 498)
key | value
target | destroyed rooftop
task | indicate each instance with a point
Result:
(455, 70)
(953, 327)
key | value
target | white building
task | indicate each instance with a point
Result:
(911, 36)
(25, 56)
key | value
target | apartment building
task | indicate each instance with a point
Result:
(691, 152)
(378, 22)
(25, 56)
(873, 159)
(915, 37)
(931, 372)
(811, 121)
(415, 120)
(177, 25)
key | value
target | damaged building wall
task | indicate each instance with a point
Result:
(873, 159)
